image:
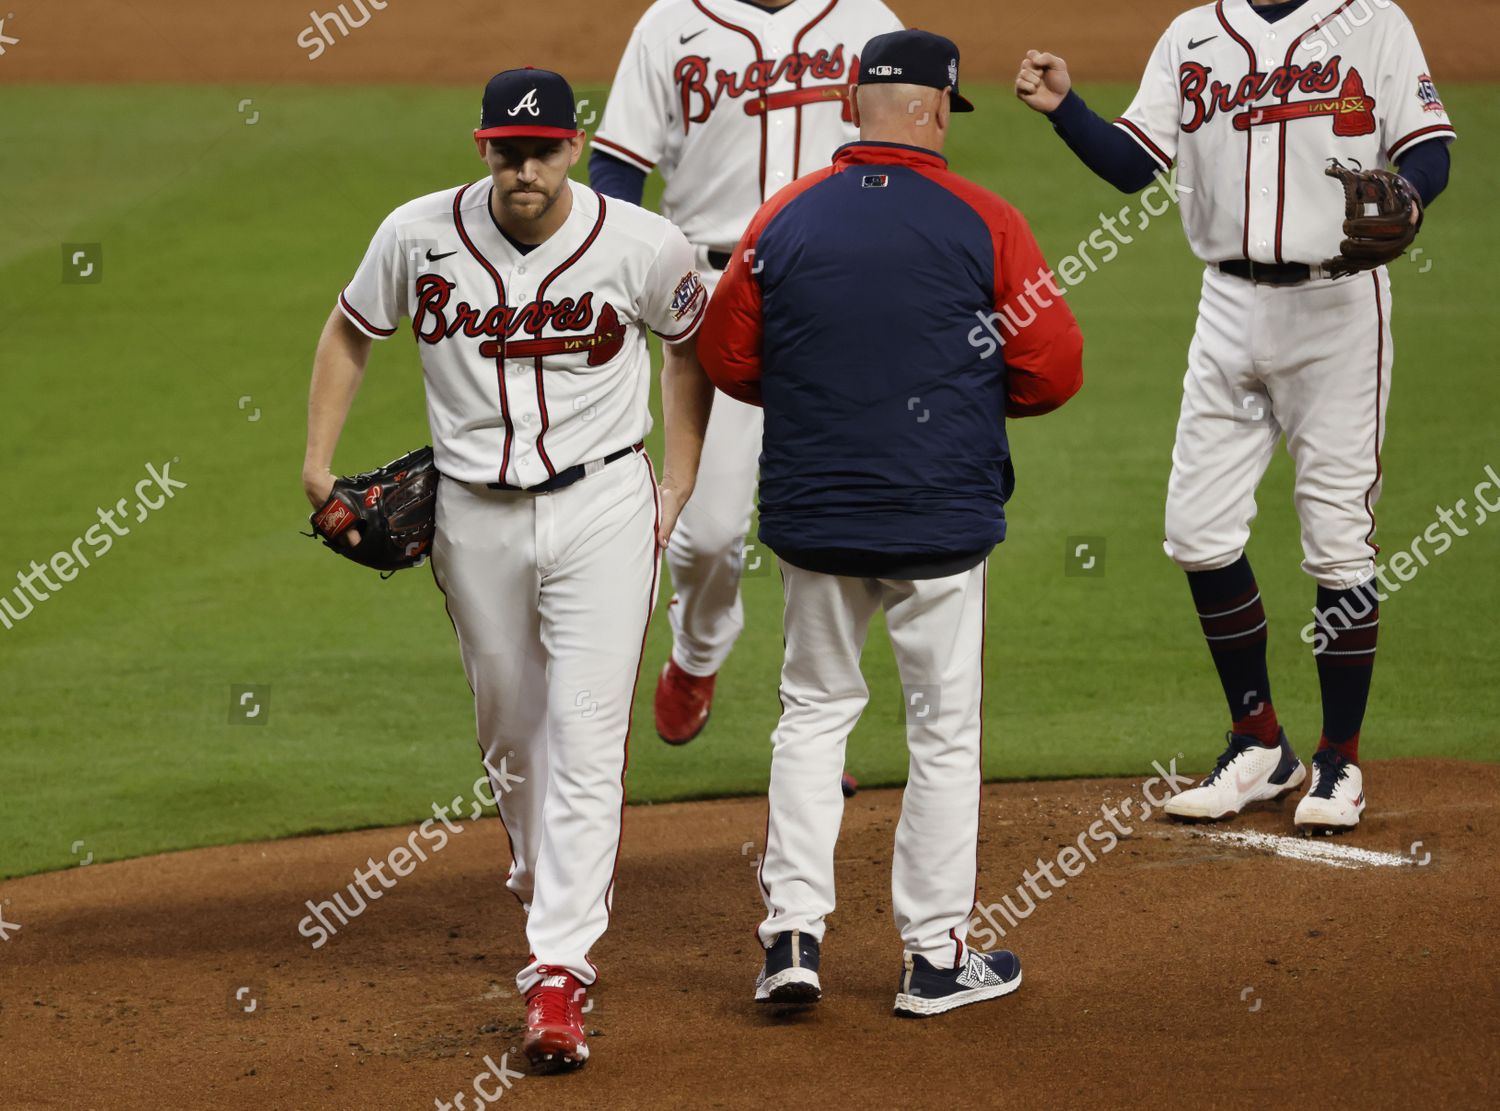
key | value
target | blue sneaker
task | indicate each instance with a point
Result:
(789, 977)
(925, 990)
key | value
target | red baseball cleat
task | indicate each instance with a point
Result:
(682, 704)
(555, 1041)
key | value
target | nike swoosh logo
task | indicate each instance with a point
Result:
(685, 39)
(434, 258)
(1243, 783)
(1195, 44)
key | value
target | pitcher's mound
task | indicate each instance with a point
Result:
(1179, 966)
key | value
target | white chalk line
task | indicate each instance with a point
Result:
(1314, 852)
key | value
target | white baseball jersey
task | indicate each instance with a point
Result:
(533, 362)
(1252, 111)
(732, 102)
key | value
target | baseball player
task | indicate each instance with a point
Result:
(878, 384)
(529, 298)
(1253, 102)
(730, 100)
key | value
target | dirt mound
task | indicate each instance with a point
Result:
(1180, 967)
(463, 41)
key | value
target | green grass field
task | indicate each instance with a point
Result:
(223, 246)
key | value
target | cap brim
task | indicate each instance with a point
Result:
(959, 104)
(522, 131)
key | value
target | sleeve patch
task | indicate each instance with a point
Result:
(687, 295)
(1427, 93)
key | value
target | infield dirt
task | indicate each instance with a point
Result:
(1176, 970)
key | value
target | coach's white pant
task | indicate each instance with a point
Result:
(1311, 362)
(937, 631)
(550, 595)
(706, 552)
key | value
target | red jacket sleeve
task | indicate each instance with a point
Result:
(729, 340)
(1043, 344)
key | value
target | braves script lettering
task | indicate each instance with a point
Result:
(699, 100)
(1205, 99)
(432, 322)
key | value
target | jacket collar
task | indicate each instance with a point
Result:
(868, 152)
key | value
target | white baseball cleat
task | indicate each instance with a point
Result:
(1245, 773)
(1336, 798)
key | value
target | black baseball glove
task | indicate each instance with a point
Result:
(1373, 239)
(394, 509)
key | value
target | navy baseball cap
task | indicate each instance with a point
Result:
(527, 102)
(912, 58)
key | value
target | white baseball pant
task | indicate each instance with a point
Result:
(1311, 362)
(706, 552)
(550, 595)
(937, 631)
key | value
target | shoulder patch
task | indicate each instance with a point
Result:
(1427, 93)
(689, 290)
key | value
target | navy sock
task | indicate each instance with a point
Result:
(1347, 627)
(1234, 624)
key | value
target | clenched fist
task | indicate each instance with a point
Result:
(1043, 81)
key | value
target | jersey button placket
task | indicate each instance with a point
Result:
(1262, 168)
(522, 420)
(775, 179)
(518, 384)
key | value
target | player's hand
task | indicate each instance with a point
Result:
(1043, 82)
(671, 499)
(317, 485)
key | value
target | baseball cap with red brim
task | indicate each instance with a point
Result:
(534, 103)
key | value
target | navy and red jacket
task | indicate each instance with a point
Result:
(851, 313)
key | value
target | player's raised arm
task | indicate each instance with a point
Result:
(1043, 82)
(1127, 152)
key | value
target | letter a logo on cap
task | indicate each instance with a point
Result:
(528, 102)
